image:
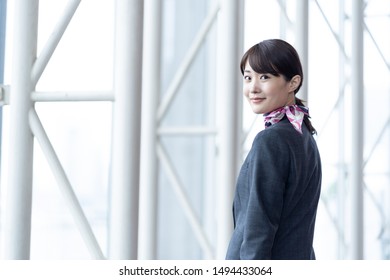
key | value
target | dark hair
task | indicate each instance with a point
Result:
(279, 58)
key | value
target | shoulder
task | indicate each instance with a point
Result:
(281, 139)
(272, 142)
(271, 151)
(279, 133)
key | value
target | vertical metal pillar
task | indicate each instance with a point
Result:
(3, 16)
(357, 130)
(341, 182)
(228, 95)
(283, 19)
(302, 41)
(147, 242)
(124, 184)
(19, 191)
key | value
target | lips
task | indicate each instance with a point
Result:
(257, 100)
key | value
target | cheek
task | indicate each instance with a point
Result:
(279, 92)
(245, 91)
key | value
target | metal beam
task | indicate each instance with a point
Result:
(124, 177)
(184, 200)
(3, 16)
(382, 55)
(54, 39)
(228, 108)
(335, 35)
(302, 41)
(357, 221)
(65, 186)
(149, 163)
(186, 63)
(187, 131)
(342, 169)
(71, 96)
(17, 233)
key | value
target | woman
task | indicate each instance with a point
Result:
(278, 188)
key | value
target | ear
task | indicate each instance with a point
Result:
(295, 82)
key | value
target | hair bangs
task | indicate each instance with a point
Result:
(260, 61)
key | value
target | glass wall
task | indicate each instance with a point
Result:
(81, 131)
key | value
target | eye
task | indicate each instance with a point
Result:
(247, 78)
(264, 77)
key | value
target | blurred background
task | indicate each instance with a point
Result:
(124, 137)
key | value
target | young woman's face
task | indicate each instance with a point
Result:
(266, 92)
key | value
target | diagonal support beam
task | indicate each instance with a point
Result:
(65, 186)
(376, 143)
(185, 202)
(335, 35)
(48, 50)
(186, 63)
(376, 46)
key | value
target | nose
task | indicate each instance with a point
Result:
(255, 86)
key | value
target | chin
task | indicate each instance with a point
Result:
(258, 112)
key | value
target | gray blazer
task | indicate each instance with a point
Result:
(276, 198)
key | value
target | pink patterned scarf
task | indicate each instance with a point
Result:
(294, 113)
